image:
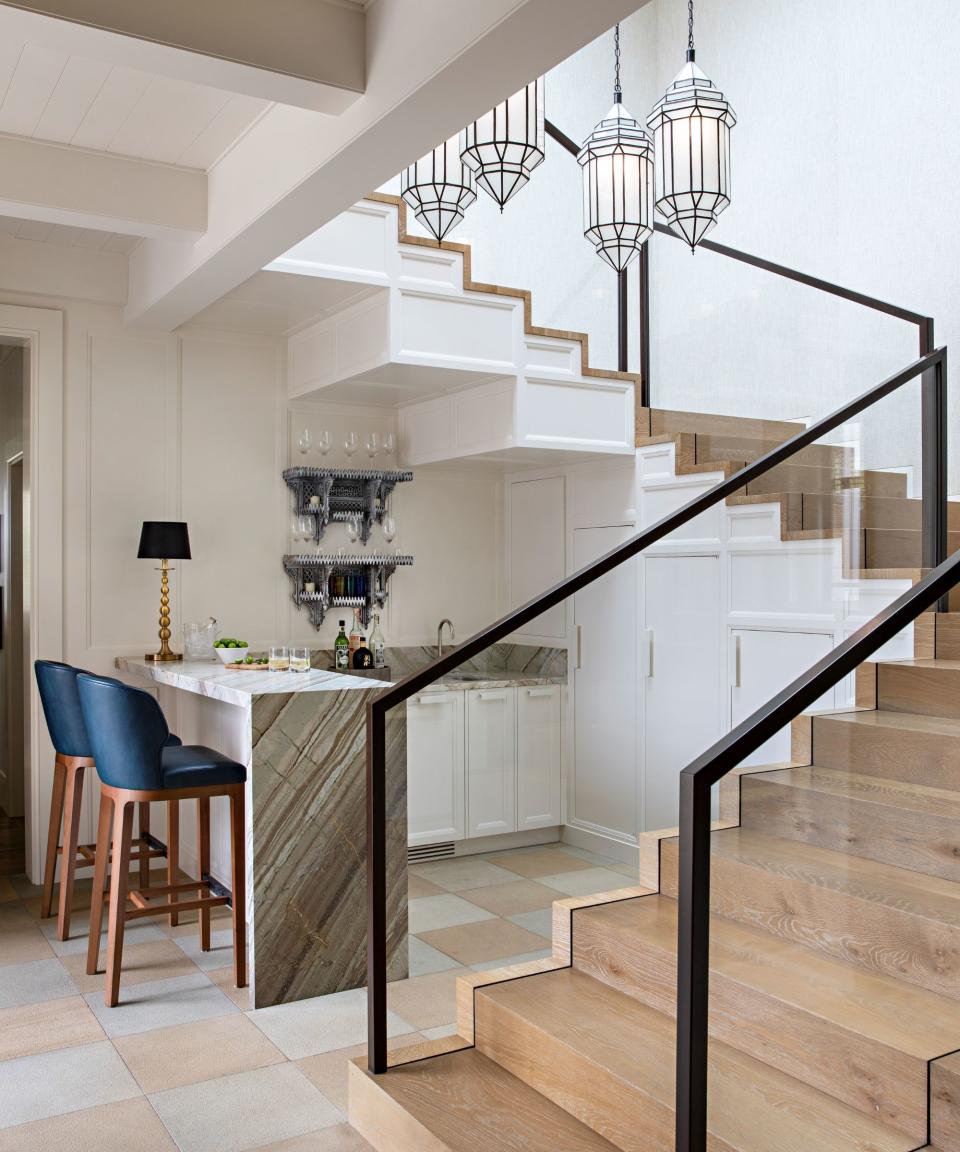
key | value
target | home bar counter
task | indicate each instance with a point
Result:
(302, 737)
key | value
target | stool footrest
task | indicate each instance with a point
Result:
(144, 909)
(145, 848)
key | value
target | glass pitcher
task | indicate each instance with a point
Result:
(198, 640)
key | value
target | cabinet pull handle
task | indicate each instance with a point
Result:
(433, 698)
(491, 695)
(736, 661)
(647, 651)
(539, 691)
(579, 647)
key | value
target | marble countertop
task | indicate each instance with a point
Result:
(208, 678)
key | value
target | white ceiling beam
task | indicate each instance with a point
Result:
(64, 185)
(432, 65)
(308, 53)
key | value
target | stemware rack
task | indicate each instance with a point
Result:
(342, 492)
(362, 578)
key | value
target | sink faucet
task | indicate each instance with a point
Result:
(453, 635)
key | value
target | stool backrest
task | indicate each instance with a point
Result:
(57, 684)
(127, 732)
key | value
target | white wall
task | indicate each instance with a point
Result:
(11, 445)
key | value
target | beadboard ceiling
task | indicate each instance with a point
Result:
(94, 239)
(46, 94)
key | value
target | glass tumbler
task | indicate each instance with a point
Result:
(279, 659)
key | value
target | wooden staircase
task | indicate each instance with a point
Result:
(835, 967)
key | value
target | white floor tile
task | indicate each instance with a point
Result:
(586, 882)
(161, 1004)
(448, 911)
(424, 959)
(463, 873)
(51, 1083)
(506, 961)
(245, 1111)
(540, 921)
(80, 925)
(220, 954)
(322, 1024)
(32, 982)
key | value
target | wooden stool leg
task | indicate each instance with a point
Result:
(203, 864)
(71, 838)
(119, 883)
(53, 835)
(238, 881)
(144, 848)
(173, 852)
(99, 882)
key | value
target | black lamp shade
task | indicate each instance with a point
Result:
(164, 540)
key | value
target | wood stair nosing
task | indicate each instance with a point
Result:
(907, 825)
(461, 1102)
(945, 1104)
(863, 1038)
(609, 1060)
(883, 918)
(890, 745)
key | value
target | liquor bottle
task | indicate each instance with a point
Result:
(363, 657)
(356, 632)
(341, 648)
(378, 644)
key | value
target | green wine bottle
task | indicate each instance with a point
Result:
(341, 648)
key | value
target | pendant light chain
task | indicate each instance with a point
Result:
(690, 49)
(617, 93)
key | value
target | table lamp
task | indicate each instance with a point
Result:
(164, 540)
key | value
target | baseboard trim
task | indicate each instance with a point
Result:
(594, 842)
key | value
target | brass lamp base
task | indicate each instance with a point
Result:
(166, 653)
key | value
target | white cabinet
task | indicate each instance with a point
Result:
(435, 768)
(538, 756)
(491, 761)
(683, 675)
(483, 762)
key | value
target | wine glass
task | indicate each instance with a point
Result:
(373, 444)
(353, 528)
(389, 443)
(389, 526)
(306, 528)
(305, 442)
(324, 441)
(350, 444)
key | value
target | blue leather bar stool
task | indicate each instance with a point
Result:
(57, 684)
(128, 733)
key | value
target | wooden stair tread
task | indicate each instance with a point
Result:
(843, 785)
(880, 718)
(466, 1103)
(587, 1043)
(872, 1004)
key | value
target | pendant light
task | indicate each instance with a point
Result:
(503, 147)
(617, 163)
(691, 126)
(439, 188)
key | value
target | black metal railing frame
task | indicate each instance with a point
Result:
(931, 367)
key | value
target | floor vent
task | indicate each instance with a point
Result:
(429, 852)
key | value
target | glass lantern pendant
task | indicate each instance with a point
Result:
(503, 147)
(691, 127)
(617, 163)
(439, 188)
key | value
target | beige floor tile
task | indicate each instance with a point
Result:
(14, 917)
(155, 960)
(127, 1126)
(328, 1071)
(223, 978)
(340, 1139)
(426, 1001)
(23, 945)
(47, 1026)
(189, 1053)
(534, 864)
(586, 883)
(419, 886)
(188, 922)
(513, 898)
(461, 873)
(486, 940)
(7, 890)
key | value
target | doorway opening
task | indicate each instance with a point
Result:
(14, 670)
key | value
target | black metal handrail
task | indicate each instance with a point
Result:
(931, 367)
(696, 780)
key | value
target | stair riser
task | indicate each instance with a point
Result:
(947, 637)
(945, 1105)
(792, 477)
(720, 447)
(629, 1119)
(868, 1075)
(923, 691)
(922, 842)
(877, 937)
(880, 513)
(926, 758)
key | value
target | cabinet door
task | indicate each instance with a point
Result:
(491, 761)
(764, 662)
(538, 757)
(435, 738)
(682, 675)
(603, 794)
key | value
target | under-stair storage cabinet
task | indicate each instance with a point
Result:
(491, 761)
(435, 773)
(538, 756)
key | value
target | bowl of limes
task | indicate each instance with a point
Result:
(231, 651)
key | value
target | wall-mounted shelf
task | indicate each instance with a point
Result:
(364, 581)
(342, 492)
